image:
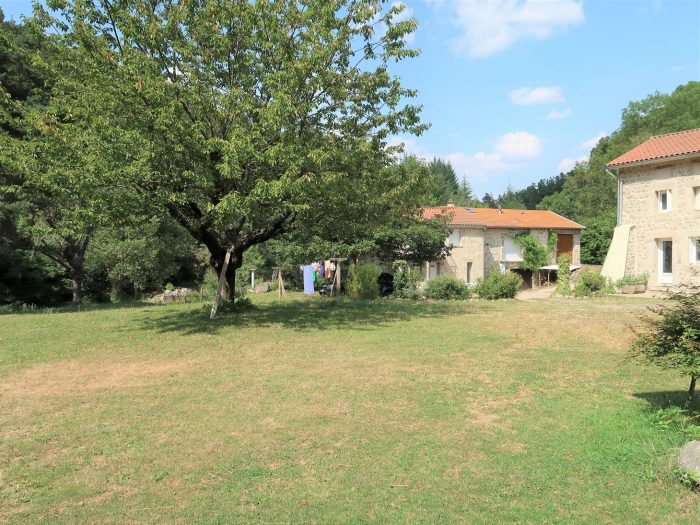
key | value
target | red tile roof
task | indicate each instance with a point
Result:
(662, 147)
(493, 218)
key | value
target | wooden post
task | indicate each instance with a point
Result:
(337, 285)
(280, 282)
(222, 280)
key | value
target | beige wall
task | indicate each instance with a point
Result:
(640, 210)
(469, 250)
(484, 249)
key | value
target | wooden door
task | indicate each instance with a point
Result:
(565, 244)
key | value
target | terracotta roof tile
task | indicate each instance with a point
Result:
(662, 147)
(493, 218)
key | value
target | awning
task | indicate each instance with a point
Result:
(556, 267)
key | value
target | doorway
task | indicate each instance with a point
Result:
(565, 245)
(665, 261)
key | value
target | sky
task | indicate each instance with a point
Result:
(519, 90)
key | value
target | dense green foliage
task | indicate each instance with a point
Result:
(405, 280)
(362, 280)
(564, 275)
(589, 283)
(535, 254)
(671, 336)
(498, 285)
(145, 113)
(129, 261)
(446, 186)
(445, 287)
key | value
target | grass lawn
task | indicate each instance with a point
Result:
(323, 411)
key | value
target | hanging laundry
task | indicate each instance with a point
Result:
(322, 270)
(308, 279)
(327, 265)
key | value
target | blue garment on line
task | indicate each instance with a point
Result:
(308, 279)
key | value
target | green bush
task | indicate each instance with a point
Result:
(590, 283)
(633, 279)
(445, 288)
(670, 336)
(499, 285)
(362, 280)
(405, 280)
(564, 275)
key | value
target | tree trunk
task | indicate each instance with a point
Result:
(76, 276)
(691, 391)
(217, 262)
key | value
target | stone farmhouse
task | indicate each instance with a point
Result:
(658, 211)
(483, 239)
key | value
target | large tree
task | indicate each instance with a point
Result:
(238, 116)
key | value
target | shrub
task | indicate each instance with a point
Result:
(535, 254)
(564, 275)
(362, 280)
(499, 285)
(671, 337)
(633, 279)
(590, 283)
(445, 288)
(405, 281)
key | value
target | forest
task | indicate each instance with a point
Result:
(136, 153)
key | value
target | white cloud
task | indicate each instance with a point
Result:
(479, 166)
(540, 95)
(557, 114)
(569, 162)
(492, 26)
(519, 144)
(589, 144)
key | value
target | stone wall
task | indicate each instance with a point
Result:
(640, 209)
(469, 250)
(483, 248)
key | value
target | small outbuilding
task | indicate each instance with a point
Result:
(485, 238)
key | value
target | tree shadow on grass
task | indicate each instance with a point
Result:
(71, 309)
(669, 399)
(331, 314)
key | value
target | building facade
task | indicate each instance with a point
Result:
(658, 231)
(483, 239)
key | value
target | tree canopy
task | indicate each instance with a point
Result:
(242, 119)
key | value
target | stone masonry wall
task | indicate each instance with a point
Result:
(681, 223)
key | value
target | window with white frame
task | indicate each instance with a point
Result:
(664, 199)
(454, 238)
(696, 196)
(512, 251)
(694, 250)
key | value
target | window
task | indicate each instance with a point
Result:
(664, 198)
(512, 251)
(696, 195)
(469, 273)
(454, 238)
(694, 250)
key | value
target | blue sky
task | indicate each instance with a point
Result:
(518, 90)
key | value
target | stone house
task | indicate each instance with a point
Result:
(484, 239)
(658, 211)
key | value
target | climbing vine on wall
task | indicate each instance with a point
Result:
(535, 254)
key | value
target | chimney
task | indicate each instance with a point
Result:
(450, 203)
